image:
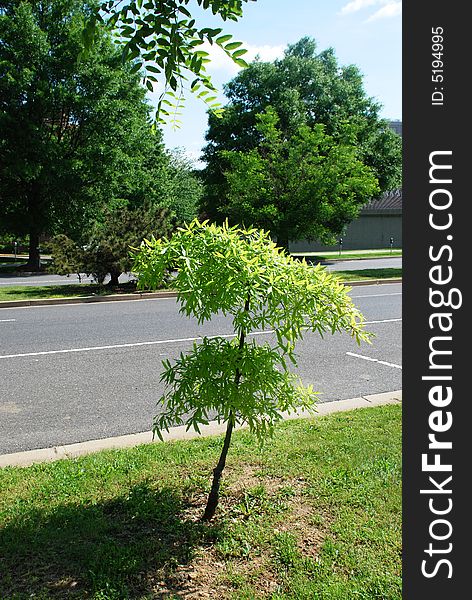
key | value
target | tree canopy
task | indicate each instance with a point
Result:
(75, 128)
(303, 88)
(305, 186)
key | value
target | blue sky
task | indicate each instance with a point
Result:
(366, 33)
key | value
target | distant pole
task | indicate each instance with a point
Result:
(391, 245)
(15, 246)
(340, 245)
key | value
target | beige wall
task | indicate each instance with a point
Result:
(369, 231)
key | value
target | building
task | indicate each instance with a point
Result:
(396, 126)
(379, 225)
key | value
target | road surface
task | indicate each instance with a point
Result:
(72, 373)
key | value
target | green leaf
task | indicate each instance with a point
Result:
(224, 38)
(239, 53)
(136, 67)
(233, 46)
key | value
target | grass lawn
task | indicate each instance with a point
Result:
(345, 254)
(68, 290)
(315, 515)
(7, 266)
(362, 274)
(10, 264)
(34, 292)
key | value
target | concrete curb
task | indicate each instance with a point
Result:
(373, 281)
(86, 299)
(141, 296)
(23, 459)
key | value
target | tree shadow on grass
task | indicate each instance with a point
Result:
(128, 547)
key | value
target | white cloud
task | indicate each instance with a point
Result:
(221, 61)
(356, 5)
(388, 8)
(392, 9)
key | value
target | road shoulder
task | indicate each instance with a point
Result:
(29, 457)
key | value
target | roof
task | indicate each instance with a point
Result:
(392, 200)
(397, 126)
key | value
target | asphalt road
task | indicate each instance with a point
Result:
(366, 263)
(331, 265)
(72, 373)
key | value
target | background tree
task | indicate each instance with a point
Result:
(306, 185)
(75, 133)
(303, 88)
(183, 188)
(107, 251)
(159, 191)
(243, 274)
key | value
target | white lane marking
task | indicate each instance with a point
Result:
(133, 345)
(152, 343)
(7, 320)
(381, 362)
(383, 321)
(378, 295)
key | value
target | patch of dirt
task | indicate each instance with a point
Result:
(209, 575)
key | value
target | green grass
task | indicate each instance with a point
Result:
(315, 515)
(8, 264)
(362, 274)
(35, 292)
(345, 254)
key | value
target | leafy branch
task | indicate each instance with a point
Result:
(164, 40)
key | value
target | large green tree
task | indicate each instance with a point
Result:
(304, 88)
(304, 186)
(183, 187)
(75, 127)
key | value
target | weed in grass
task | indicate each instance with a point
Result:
(285, 550)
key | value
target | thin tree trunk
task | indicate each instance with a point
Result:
(114, 279)
(34, 256)
(214, 494)
(34, 199)
(283, 242)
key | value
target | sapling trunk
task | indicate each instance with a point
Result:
(214, 494)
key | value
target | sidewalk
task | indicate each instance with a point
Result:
(29, 457)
